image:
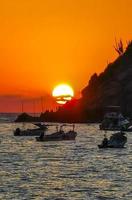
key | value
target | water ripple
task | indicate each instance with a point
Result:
(68, 170)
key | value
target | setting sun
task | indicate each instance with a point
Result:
(63, 93)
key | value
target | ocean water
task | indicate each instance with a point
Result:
(68, 170)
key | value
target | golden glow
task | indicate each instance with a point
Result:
(63, 93)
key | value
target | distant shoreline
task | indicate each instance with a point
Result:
(24, 117)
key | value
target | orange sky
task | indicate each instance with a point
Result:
(45, 42)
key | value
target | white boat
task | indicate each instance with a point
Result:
(114, 120)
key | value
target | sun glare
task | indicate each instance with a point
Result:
(63, 93)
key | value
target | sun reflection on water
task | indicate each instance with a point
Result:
(68, 170)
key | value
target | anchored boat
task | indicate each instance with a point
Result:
(114, 120)
(117, 140)
(58, 135)
(31, 132)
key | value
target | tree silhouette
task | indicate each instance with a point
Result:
(129, 44)
(119, 47)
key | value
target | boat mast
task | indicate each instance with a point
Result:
(34, 108)
(42, 106)
(22, 106)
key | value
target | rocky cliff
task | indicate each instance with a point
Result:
(113, 87)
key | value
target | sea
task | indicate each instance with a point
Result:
(64, 170)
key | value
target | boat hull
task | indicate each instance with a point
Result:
(55, 137)
(110, 146)
(29, 133)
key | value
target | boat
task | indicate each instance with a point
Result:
(129, 129)
(114, 120)
(117, 140)
(59, 135)
(32, 132)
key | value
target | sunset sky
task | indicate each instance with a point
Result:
(47, 42)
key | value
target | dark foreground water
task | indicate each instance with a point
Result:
(68, 170)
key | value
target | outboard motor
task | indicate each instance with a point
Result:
(17, 131)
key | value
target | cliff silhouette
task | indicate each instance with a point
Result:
(111, 87)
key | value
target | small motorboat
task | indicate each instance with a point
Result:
(31, 132)
(58, 135)
(117, 140)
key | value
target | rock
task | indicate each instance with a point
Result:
(111, 87)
